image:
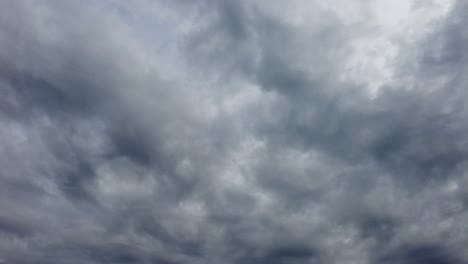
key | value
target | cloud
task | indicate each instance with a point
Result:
(233, 132)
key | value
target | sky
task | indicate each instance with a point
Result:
(243, 132)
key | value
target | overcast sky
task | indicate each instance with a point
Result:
(232, 131)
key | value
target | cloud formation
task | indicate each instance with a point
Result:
(216, 131)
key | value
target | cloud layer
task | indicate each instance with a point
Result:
(215, 131)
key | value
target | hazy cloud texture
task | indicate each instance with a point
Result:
(216, 131)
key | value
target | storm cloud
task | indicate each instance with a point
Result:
(216, 131)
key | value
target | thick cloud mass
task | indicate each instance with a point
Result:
(216, 131)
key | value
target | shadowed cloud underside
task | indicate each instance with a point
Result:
(215, 131)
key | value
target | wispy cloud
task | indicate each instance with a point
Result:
(216, 131)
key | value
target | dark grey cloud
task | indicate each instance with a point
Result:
(420, 254)
(233, 132)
